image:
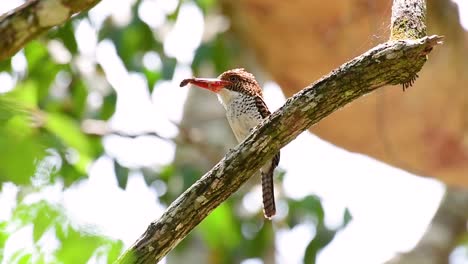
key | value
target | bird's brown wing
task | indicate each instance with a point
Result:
(262, 107)
(268, 191)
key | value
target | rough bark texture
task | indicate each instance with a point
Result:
(408, 19)
(24, 23)
(395, 62)
(424, 132)
(446, 229)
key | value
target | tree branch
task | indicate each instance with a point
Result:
(408, 19)
(394, 62)
(34, 17)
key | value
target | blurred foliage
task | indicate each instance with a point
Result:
(311, 206)
(42, 222)
(42, 142)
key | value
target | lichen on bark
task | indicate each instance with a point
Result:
(27, 21)
(408, 19)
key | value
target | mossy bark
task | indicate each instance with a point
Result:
(408, 19)
(24, 23)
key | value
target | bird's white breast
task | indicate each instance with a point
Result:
(241, 112)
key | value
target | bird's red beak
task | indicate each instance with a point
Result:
(211, 84)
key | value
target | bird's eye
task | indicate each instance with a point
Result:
(233, 78)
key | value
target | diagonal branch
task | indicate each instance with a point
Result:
(395, 62)
(34, 17)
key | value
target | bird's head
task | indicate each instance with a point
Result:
(237, 80)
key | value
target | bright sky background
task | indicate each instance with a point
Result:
(390, 208)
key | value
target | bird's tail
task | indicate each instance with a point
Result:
(268, 191)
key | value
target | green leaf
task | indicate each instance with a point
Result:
(9, 108)
(22, 258)
(44, 217)
(76, 246)
(5, 65)
(41, 68)
(4, 234)
(18, 163)
(218, 52)
(347, 217)
(121, 174)
(25, 94)
(218, 228)
(309, 207)
(168, 68)
(167, 172)
(206, 5)
(262, 242)
(66, 34)
(70, 174)
(79, 94)
(190, 174)
(114, 251)
(108, 106)
(35, 53)
(151, 77)
(322, 238)
(69, 131)
(173, 17)
(313, 204)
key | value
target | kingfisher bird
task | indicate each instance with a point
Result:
(241, 95)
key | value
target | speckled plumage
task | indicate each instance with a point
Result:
(242, 98)
(245, 109)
